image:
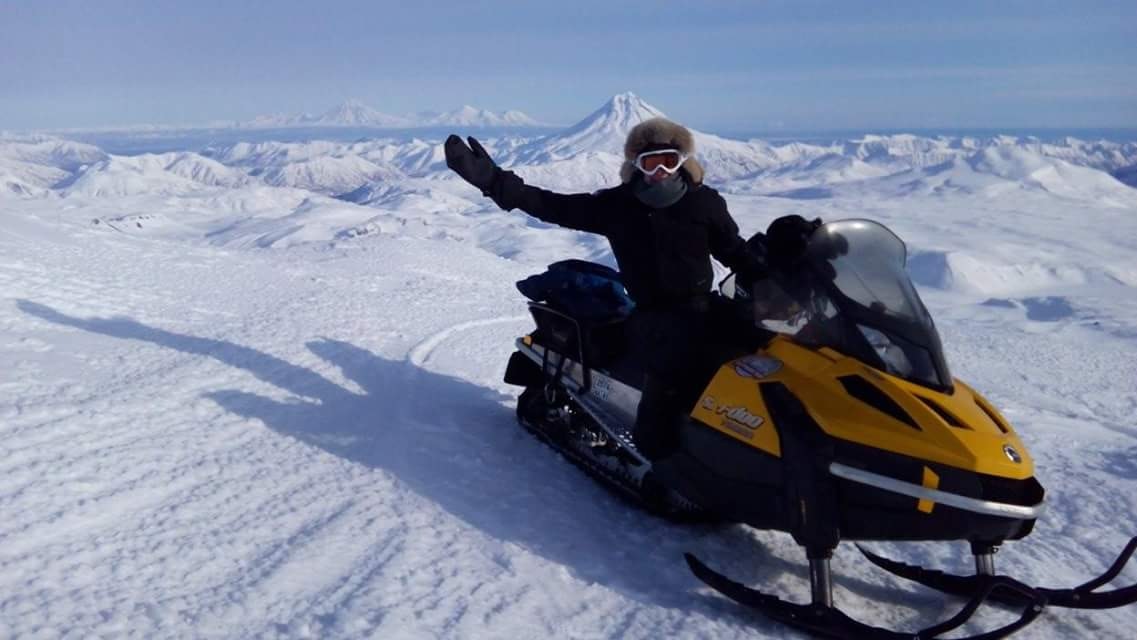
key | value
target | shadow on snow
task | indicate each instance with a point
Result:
(457, 444)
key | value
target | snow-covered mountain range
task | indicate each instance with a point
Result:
(273, 193)
(467, 116)
(587, 155)
(354, 113)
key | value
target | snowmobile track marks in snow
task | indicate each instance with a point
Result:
(421, 352)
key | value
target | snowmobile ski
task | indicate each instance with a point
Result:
(1084, 596)
(823, 620)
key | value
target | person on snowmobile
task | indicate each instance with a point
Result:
(664, 225)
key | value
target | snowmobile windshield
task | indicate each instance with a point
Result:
(853, 295)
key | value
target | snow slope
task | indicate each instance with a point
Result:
(169, 173)
(234, 409)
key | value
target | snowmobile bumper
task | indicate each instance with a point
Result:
(974, 505)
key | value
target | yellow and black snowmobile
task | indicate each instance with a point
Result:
(839, 421)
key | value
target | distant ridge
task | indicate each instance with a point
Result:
(468, 116)
(354, 113)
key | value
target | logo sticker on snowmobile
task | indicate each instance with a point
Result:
(757, 366)
(1012, 455)
(733, 417)
(601, 387)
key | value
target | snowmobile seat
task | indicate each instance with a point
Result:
(596, 343)
(581, 310)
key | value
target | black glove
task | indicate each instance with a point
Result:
(787, 238)
(472, 163)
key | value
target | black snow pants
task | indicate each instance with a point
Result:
(681, 347)
(671, 343)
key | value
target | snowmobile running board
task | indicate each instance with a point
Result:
(974, 505)
(1080, 597)
(824, 621)
(580, 394)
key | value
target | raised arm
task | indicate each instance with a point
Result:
(578, 211)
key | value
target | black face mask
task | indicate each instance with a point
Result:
(661, 194)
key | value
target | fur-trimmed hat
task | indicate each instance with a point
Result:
(660, 133)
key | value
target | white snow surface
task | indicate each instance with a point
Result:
(232, 405)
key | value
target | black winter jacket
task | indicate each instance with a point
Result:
(664, 255)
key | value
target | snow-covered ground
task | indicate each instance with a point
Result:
(233, 404)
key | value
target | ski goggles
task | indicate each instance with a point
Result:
(669, 160)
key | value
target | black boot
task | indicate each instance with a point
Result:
(656, 432)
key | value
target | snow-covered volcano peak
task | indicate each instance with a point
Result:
(617, 116)
(355, 113)
(468, 111)
(515, 117)
(604, 130)
(631, 104)
(351, 109)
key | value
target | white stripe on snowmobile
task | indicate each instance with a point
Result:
(974, 505)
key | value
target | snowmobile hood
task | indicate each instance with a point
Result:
(860, 404)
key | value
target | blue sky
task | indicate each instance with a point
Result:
(739, 66)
